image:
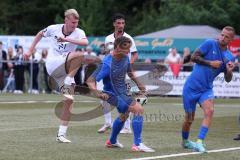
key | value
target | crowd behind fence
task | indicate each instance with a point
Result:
(31, 76)
(20, 76)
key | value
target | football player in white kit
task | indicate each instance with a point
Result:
(63, 62)
(119, 25)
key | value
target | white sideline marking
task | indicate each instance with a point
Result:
(20, 102)
(218, 105)
(185, 154)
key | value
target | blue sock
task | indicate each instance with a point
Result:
(137, 124)
(185, 135)
(116, 128)
(202, 132)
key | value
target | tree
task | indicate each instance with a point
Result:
(23, 17)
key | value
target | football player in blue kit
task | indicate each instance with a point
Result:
(211, 58)
(113, 71)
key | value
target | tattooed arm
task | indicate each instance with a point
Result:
(197, 58)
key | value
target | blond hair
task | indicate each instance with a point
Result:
(230, 28)
(72, 12)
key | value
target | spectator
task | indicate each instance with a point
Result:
(186, 59)
(3, 65)
(90, 68)
(173, 57)
(109, 47)
(10, 80)
(89, 51)
(174, 61)
(102, 51)
(19, 70)
(35, 59)
(148, 61)
(43, 60)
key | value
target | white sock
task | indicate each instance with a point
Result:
(62, 130)
(69, 80)
(108, 118)
(107, 112)
(127, 123)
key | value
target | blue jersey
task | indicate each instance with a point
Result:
(113, 73)
(202, 76)
(106, 80)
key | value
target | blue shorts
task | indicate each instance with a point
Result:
(191, 98)
(122, 102)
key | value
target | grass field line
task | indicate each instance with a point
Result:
(30, 128)
(185, 154)
(27, 128)
(21, 102)
(92, 101)
(180, 104)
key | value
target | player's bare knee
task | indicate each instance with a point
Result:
(138, 110)
(189, 117)
(188, 123)
(209, 112)
(68, 101)
(77, 55)
(80, 56)
(124, 116)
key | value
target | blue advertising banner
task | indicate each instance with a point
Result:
(154, 48)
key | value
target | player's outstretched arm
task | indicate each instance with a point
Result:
(133, 77)
(81, 42)
(91, 82)
(37, 38)
(197, 58)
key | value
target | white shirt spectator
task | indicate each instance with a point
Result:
(173, 57)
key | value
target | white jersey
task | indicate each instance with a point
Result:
(110, 39)
(55, 62)
(173, 59)
(60, 48)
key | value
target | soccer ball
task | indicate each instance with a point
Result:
(142, 99)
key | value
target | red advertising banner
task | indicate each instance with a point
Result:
(234, 46)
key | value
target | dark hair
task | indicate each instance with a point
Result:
(122, 42)
(19, 47)
(118, 16)
(102, 45)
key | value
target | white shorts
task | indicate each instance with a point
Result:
(56, 68)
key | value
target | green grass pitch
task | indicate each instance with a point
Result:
(28, 127)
